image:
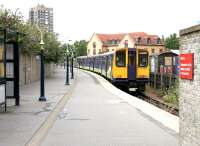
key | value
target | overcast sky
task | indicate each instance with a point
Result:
(79, 19)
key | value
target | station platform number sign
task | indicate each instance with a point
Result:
(186, 66)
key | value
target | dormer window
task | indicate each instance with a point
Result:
(158, 41)
(148, 41)
(113, 42)
(139, 40)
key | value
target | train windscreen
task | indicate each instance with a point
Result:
(121, 58)
(143, 59)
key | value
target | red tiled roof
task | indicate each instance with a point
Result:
(107, 37)
(134, 35)
(143, 37)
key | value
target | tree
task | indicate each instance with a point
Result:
(81, 48)
(10, 20)
(172, 42)
(30, 42)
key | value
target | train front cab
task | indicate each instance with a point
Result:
(131, 68)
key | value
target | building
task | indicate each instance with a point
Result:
(42, 16)
(101, 43)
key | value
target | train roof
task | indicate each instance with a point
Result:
(104, 54)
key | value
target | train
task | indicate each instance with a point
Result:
(125, 67)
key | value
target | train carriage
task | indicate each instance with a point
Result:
(127, 67)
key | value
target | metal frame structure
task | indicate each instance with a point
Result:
(11, 65)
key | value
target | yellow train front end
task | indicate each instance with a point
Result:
(130, 68)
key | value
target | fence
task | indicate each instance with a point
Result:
(162, 81)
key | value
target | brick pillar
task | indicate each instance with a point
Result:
(190, 90)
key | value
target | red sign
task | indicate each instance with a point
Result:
(186, 66)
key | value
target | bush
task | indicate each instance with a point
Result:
(172, 94)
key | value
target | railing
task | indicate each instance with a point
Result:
(162, 81)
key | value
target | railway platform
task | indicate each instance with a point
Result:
(98, 114)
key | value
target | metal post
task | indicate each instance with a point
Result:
(67, 72)
(16, 72)
(72, 70)
(42, 72)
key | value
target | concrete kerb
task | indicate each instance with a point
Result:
(43, 130)
(168, 120)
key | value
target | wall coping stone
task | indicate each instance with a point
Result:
(189, 30)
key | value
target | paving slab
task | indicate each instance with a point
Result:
(19, 124)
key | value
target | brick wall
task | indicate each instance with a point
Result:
(190, 90)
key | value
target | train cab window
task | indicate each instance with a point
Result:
(121, 58)
(143, 59)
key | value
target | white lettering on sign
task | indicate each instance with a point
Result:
(182, 58)
(184, 73)
(186, 64)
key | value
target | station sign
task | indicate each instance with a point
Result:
(186, 66)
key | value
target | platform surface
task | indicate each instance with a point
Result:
(94, 116)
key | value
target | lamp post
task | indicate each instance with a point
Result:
(72, 70)
(42, 72)
(67, 68)
(67, 64)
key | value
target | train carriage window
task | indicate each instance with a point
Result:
(121, 58)
(143, 59)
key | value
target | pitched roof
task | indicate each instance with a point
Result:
(134, 36)
(144, 37)
(107, 37)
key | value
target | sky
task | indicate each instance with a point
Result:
(79, 19)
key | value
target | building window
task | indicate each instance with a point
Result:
(113, 42)
(161, 50)
(158, 41)
(94, 45)
(152, 50)
(148, 41)
(99, 51)
(88, 51)
(139, 40)
(126, 44)
(121, 58)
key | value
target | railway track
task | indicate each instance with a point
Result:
(161, 104)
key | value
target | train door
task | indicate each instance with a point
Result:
(131, 64)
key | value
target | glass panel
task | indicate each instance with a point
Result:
(10, 88)
(1, 62)
(9, 70)
(1, 52)
(143, 59)
(121, 58)
(2, 93)
(168, 61)
(9, 51)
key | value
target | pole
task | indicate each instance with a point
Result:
(72, 70)
(67, 72)
(42, 91)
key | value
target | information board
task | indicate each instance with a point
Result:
(186, 66)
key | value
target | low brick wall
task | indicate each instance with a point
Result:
(190, 90)
(30, 69)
